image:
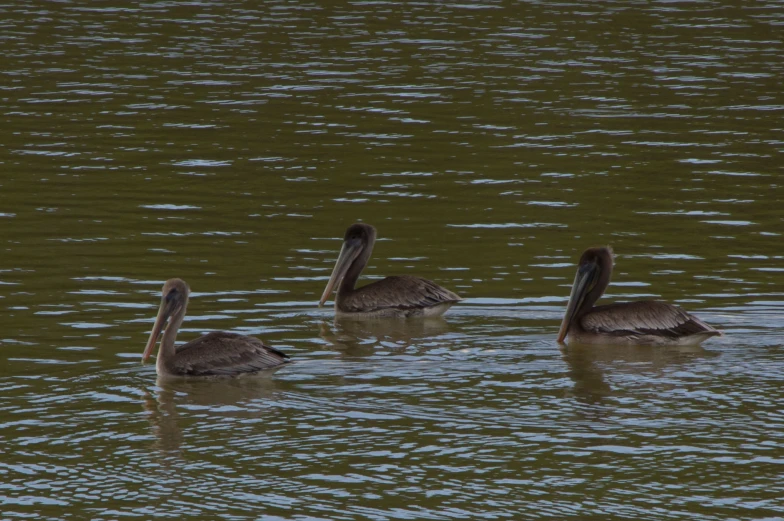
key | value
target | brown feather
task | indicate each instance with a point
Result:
(642, 322)
(401, 296)
(647, 317)
(402, 292)
(221, 353)
(216, 353)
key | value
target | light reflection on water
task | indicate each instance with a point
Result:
(376, 409)
(232, 145)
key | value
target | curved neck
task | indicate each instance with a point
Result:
(355, 269)
(167, 350)
(605, 272)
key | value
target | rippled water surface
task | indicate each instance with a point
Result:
(231, 145)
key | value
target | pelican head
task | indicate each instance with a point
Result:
(358, 242)
(592, 278)
(174, 300)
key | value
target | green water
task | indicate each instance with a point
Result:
(231, 145)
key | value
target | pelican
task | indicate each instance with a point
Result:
(217, 353)
(401, 296)
(644, 322)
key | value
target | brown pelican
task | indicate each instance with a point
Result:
(216, 353)
(642, 322)
(400, 296)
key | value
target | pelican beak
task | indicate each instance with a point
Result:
(584, 281)
(348, 253)
(164, 312)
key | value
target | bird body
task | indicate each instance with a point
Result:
(647, 322)
(214, 354)
(401, 295)
(398, 296)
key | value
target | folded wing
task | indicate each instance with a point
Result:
(221, 353)
(645, 318)
(401, 292)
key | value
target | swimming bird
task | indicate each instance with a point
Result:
(217, 353)
(641, 322)
(400, 296)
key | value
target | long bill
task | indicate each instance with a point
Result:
(584, 281)
(348, 252)
(163, 315)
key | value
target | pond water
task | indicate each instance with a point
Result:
(231, 144)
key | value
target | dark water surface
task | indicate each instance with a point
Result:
(231, 145)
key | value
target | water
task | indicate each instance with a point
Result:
(231, 145)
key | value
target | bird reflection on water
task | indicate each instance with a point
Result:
(360, 336)
(163, 418)
(248, 397)
(587, 365)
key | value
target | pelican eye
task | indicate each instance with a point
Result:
(171, 294)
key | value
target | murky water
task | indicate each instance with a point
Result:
(232, 144)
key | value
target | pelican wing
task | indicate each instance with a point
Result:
(401, 292)
(221, 353)
(645, 318)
